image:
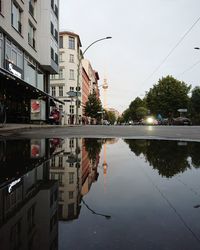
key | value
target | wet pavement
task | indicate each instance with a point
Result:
(99, 193)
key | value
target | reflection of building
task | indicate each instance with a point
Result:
(28, 202)
(28, 54)
(66, 169)
(75, 173)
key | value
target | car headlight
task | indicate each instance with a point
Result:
(150, 120)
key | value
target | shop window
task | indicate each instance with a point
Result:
(40, 80)
(71, 109)
(29, 72)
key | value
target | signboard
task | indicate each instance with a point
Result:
(38, 110)
(73, 93)
(182, 110)
(13, 69)
(37, 148)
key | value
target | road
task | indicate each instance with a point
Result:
(149, 132)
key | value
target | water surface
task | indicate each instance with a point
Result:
(74, 193)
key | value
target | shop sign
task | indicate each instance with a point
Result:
(12, 184)
(14, 69)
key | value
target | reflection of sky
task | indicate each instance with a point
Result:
(147, 211)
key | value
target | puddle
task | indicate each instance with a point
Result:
(93, 193)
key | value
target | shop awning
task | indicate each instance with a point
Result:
(32, 91)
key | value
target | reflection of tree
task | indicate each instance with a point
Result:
(93, 147)
(168, 157)
(194, 150)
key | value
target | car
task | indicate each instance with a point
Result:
(181, 121)
(149, 120)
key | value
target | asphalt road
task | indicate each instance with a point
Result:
(148, 132)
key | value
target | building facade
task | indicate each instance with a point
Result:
(64, 85)
(28, 55)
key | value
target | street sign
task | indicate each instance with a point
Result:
(182, 110)
(73, 93)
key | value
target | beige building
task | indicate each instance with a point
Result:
(28, 55)
(66, 81)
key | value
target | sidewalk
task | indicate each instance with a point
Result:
(15, 126)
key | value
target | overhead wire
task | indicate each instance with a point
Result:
(172, 50)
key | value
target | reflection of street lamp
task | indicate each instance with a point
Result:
(78, 73)
(104, 215)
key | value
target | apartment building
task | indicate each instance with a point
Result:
(28, 55)
(65, 84)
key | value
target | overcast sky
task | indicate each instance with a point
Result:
(143, 33)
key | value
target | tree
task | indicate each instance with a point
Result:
(168, 96)
(93, 106)
(136, 104)
(110, 116)
(195, 105)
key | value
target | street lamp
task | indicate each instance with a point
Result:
(78, 73)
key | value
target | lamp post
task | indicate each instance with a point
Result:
(78, 73)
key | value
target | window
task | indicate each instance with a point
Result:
(31, 35)
(16, 17)
(56, 35)
(71, 42)
(71, 58)
(71, 88)
(32, 7)
(53, 91)
(71, 194)
(61, 57)
(61, 74)
(52, 28)
(71, 177)
(0, 6)
(56, 58)
(71, 74)
(61, 42)
(52, 77)
(30, 72)
(60, 161)
(1, 50)
(71, 109)
(60, 90)
(14, 54)
(71, 143)
(52, 53)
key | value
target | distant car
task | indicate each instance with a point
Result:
(181, 121)
(149, 120)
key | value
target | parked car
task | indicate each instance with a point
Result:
(181, 121)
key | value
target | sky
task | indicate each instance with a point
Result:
(143, 33)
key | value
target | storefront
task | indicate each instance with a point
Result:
(24, 85)
(21, 99)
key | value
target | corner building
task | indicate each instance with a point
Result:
(28, 55)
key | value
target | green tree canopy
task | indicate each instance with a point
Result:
(110, 116)
(168, 96)
(135, 107)
(93, 106)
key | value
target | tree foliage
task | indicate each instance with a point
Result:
(93, 106)
(168, 96)
(110, 116)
